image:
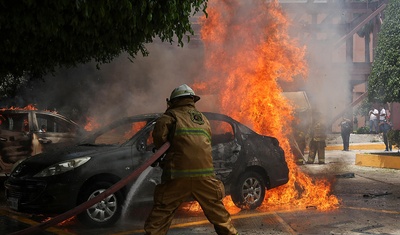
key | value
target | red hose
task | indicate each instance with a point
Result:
(79, 209)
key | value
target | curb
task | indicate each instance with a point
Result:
(376, 160)
(358, 146)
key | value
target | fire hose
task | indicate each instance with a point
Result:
(80, 208)
(297, 148)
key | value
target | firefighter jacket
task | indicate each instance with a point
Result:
(189, 134)
(318, 132)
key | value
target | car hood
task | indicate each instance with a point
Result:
(36, 163)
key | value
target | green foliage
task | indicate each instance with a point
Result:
(363, 130)
(384, 80)
(9, 86)
(394, 137)
(37, 37)
(363, 108)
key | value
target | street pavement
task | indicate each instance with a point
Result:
(369, 204)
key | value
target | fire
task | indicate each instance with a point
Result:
(91, 124)
(248, 51)
(194, 206)
(135, 127)
(28, 107)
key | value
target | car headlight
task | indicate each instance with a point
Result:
(62, 167)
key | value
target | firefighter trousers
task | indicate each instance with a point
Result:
(169, 195)
(316, 147)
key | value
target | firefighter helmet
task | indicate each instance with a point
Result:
(182, 91)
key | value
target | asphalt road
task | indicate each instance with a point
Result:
(370, 204)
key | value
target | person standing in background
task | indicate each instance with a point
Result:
(385, 127)
(345, 130)
(382, 116)
(373, 120)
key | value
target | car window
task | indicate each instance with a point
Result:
(145, 141)
(150, 138)
(48, 123)
(222, 132)
(14, 122)
(120, 134)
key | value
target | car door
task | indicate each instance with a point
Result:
(53, 132)
(142, 149)
(15, 138)
(123, 157)
(225, 147)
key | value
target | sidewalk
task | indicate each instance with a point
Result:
(357, 142)
(367, 150)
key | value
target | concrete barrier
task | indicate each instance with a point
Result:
(378, 160)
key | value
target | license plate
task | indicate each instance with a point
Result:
(12, 203)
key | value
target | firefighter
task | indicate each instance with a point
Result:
(301, 129)
(188, 170)
(300, 139)
(317, 140)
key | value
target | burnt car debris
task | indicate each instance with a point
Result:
(24, 133)
(246, 162)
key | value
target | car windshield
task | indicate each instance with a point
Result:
(117, 133)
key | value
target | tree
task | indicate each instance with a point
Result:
(37, 37)
(384, 80)
(9, 85)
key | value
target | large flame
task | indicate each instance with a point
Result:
(247, 52)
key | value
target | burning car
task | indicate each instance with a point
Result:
(24, 133)
(246, 162)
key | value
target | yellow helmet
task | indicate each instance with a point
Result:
(183, 90)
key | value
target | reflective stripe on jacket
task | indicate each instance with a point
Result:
(189, 133)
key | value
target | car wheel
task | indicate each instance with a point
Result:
(105, 212)
(249, 192)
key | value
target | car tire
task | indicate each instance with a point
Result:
(249, 192)
(104, 213)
